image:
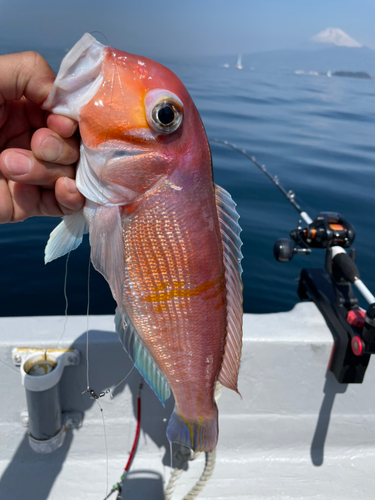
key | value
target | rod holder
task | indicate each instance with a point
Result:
(41, 372)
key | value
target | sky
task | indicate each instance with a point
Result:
(156, 28)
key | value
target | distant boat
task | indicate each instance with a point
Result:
(226, 65)
(239, 59)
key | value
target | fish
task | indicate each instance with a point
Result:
(164, 236)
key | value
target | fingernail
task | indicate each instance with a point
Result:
(70, 185)
(17, 163)
(51, 149)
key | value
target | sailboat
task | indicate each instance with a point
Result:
(239, 64)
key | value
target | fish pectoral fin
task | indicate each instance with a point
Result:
(197, 435)
(67, 236)
(230, 236)
(108, 249)
(141, 357)
(78, 79)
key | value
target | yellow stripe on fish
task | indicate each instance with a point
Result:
(178, 292)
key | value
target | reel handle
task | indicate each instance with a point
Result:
(284, 250)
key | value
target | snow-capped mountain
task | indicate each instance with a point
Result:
(335, 36)
(331, 50)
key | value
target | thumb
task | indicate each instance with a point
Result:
(25, 74)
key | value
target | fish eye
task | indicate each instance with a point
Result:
(166, 117)
(164, 111)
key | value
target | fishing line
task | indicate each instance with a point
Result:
(87, 326)
(88, 389)
(123, 380)
(66, 298)
(103, 35)
(118, 486)
(290, 196)
(106, 446)
(96, 396)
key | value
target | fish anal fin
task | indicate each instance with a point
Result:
(139, 354)
(230, 235)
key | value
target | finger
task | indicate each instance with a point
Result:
(49, 146)
(25, 199)
(21, 166)
(6, 202)
(48, 204)
(62, 125)
(65, 200)
(21, 141)
(17, 123)
(35, 114)
(67, 195)
(25, 74)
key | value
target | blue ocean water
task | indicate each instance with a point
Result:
(314, 132)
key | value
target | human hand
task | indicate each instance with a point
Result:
(37, 154)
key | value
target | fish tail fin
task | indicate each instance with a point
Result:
(199, 435)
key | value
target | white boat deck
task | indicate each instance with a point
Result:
(296, 434)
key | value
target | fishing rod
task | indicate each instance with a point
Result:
(352, 328)
(289, 195)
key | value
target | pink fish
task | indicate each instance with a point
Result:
(164, 236)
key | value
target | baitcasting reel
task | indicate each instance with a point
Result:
(352, 328)
(328, 229)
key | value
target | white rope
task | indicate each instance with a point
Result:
(207, 473)
(199, 485)
(176, 473)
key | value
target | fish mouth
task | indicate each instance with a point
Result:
(134, 142)
(127, 153)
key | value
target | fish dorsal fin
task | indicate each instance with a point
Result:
(107, 248)
(141, 357)
(230, 236)
(67, 236)
(79, 78)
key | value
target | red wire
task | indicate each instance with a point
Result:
(136, 437)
